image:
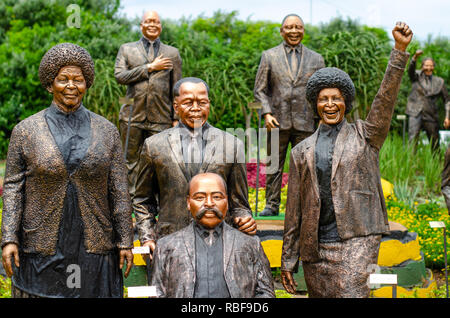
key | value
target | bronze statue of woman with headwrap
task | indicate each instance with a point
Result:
(335, 213)
(66, 227)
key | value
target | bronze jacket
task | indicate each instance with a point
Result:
(355, 177)
(151, 92)
(246, 267)
(283, 94)
(35, 186)
(423, 95)
(162, 172)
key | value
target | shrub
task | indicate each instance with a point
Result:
(417, 170)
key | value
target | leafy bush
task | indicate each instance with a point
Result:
(29, 29)
(5, 287)
(413, 170)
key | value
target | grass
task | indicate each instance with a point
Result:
(415, 171)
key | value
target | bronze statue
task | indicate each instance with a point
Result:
(66, 208)
(335, 212)
(149, 68)
(280, 87)
(422, 101)
(165, 168)
(209, 258)
(445, 184)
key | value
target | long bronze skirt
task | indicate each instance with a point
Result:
(344, 268)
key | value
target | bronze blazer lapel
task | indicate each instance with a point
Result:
(189, 242)
(311, 160)
(141, 48)
(175, 146)
(228, 243)
(282, 56)
(302, 59)
(339, 147)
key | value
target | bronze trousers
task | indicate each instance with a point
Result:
(431, 128)
(274, 181)
(138, 133)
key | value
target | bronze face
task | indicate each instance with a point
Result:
(331, 106)
(207, 199)
(428, 67)
(68, 88)
(151, 25)
(292, 30)
(192, 105)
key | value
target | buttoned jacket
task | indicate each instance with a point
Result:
(35, 186)
(281, 92)
(356, 189)
(246, 267)
(162, 174)
(151, 91)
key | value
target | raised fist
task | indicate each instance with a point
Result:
(402, 35)
(417, 54)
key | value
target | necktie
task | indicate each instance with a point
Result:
(294, 62)
(151, 51)
(209, 237)
(194, 155)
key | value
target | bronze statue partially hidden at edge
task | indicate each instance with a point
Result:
(421, 107)
(335, 212)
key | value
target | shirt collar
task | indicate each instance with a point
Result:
(147, 41)
(205, 127)
(204, 232)
(54, 109)
(326, 128)
(289, 48)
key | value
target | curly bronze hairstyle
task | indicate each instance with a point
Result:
(330, 77)
(65, 54)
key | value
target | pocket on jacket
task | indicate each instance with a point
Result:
(362, 200)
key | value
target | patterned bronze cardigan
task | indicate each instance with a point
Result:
(35, 186)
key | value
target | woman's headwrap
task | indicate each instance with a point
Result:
(65, 54)
(330, 77)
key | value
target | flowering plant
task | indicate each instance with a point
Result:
(417, 220)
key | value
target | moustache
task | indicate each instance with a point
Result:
(202, 212)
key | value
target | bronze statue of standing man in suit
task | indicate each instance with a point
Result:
(422, 101)
(149, 68)
(280, 86)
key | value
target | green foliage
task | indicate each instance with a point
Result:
(225, 52)
(222, 49)
(5, 287)
(29, 29)
(103, 97)
(414, 171)
(262, 199)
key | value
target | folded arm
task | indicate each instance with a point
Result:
(126, 75)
